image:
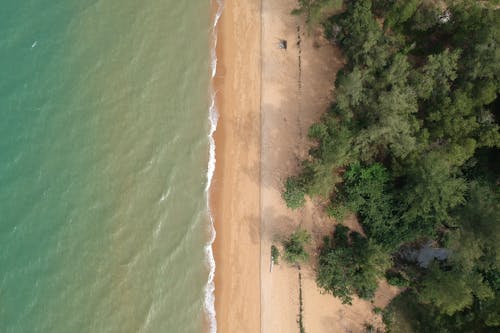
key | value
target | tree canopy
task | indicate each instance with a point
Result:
(409, 145)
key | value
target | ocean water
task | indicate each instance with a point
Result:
(104, 154)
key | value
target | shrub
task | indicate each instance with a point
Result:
(294, 193)
(396, 279)
(275, 254)
(337, 211)
(294, 251)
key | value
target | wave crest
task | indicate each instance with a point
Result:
(213, 116)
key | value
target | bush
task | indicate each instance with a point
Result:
(396, 279)
(337, 211)
(388, 318)
(294, 193)
(294, 247)
(275, 254)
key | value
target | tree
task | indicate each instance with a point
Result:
(350, 264)
(476, 29)
(436, 77)
(392, 127)
(425, 18)
(431, 190)
(454, 120)
(400, 12)
(361, 37)
(349, 93)
(294, 251)
(404, 147)
(365, 193)
(333, 138)
(447, 290)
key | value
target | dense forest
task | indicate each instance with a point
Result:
(411, 146)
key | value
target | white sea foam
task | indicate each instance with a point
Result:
(213, 117)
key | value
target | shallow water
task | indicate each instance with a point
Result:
(103, 161)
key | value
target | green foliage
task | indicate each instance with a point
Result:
(461, 294)
(350, 88)
(476, 29)
(321, 178)
(431, 191)
(407, 314)
(437, 75)
(445, 291)
(350, 264)
(400, 12)
(294, 251)
(411, 147)
(425, 18)
(275, 254)
(361, 37)
(294, 192)
(395, 278)
(337, 211)
(316, 11)
(390, 126)
(366, 193)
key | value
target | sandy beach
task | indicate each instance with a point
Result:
(236, 187)
(268, 97)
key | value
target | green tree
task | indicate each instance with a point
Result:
(437, 75)
(366, 193)
(361, 37)
(392, 127)
(349, 93)
(452, 290)
(432, 189)
(400, 12)
(425, 18)
(350, 264)
(475, 28)
(404, 147)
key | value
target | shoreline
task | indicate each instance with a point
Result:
(235, 190)
(209, 298)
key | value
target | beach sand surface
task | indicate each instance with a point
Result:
(236, 187)
(297, 88)
(267, 98)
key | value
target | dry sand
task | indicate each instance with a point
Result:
(296, 89)
(236, 187)
(261, 137)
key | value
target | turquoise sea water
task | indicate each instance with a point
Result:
(103, 161)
